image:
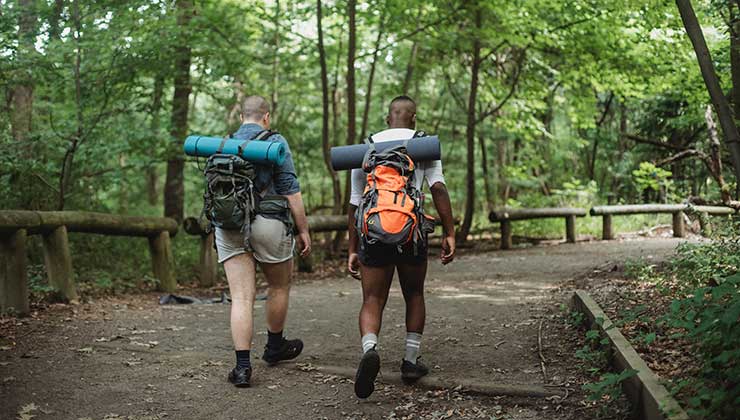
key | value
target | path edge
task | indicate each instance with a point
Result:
(649, 398)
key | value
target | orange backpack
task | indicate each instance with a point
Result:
(391, 208)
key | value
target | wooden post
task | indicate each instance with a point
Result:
(59, 264)
(13, 277)
(506, 241)
(162, 265)
(678, 225)
(570, 229)
(706, 228)
(607, 233)
(208, 261)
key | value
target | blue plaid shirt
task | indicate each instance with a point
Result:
(272, 179)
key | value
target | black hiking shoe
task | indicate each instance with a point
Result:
(366, 373)
(412, 372)
(290, 349)
(241, 377)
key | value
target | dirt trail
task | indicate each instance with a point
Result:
(129, 358)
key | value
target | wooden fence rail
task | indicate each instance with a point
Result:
(506, 216)
(54, 226)
(676, 210)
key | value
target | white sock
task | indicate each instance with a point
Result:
(369, 341)
(413, 346)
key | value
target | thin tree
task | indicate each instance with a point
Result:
(325, 112)
(719, 101)
(351, 92)
(370, 78)
(174, 191)
(21, 93)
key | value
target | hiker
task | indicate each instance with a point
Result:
(267, 238)
(391, 207)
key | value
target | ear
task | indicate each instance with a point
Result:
(388, 119)
(413, 118)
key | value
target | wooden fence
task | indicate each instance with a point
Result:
(53, 226)
(506, 216)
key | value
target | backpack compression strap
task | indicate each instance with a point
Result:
(262, 135)
(419, 133)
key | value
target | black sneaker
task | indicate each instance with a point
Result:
(366, 373)
(412, 372)
(290, 349)
(241, 377)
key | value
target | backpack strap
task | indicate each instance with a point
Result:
(264, 135)
(420, 133)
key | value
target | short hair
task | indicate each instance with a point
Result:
(401, 98)
(254, 107)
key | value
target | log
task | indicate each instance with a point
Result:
(88, 222)
(162, 263)
(327, 223)
(540, 213)
(506, 241)
(659, 208)
(208, 261)
(13, 276)
(607, 232)
(58, 263)
(679, 230)
(570, 229)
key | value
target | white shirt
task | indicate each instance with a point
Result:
(431, 171)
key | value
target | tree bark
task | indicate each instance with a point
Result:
(484, 169)
(735, 56)
(721, 105)
(351, 106)
(325, 111)
(370, 78)
(22, 90)
(410, 68)
(715, 157)
(470, 136)
(275, 64)
(152, 176)
(174, 192)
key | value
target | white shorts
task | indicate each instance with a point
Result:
(269, 238)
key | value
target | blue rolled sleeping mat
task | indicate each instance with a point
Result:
(256, 151)
(421, 149)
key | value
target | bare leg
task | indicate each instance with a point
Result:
(412, 278)
(278, 279)
(240, 273)
(376, 281)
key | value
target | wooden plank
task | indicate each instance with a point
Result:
(208, 261)
(648, 397)
(13, 275)
(659, 208)
(538, 213)
(58, 263)
(162, 262)
(506, 240)
(570, 229)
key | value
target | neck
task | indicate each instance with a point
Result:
(253, 122)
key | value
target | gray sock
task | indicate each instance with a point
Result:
(369, 341)
(413, 346)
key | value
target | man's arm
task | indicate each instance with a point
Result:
(301, 221)
(441, 199)
(353, 262)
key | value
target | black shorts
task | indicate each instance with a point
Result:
(379, 255)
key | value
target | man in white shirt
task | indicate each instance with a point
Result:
(375, 264)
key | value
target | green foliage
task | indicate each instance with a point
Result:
(651, 178)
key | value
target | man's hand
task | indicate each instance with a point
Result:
(304, 239)
(448, 249)
(353, 265)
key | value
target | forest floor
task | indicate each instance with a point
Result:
(129, 358)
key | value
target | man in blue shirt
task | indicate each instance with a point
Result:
(270, 243)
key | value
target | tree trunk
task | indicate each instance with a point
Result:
(371, 76)
(735, 57)
(174, 190)
(325, 112)
(151, 172)
(715, 157)
(275, 64)
(22, 90)
(721, 105)
(351, 109)
(470, 136)
(484, 169)
(410, 68)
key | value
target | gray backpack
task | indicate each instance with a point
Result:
(229, 201)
